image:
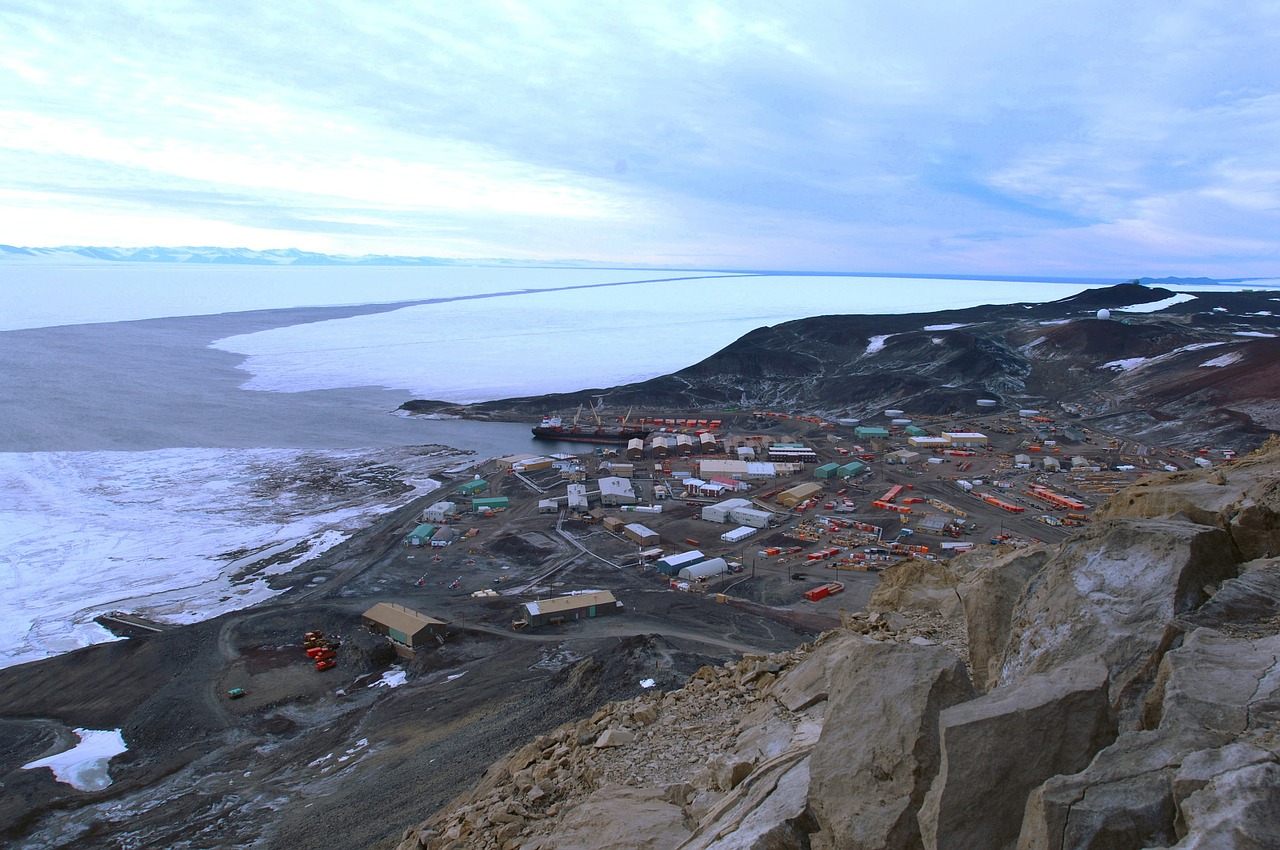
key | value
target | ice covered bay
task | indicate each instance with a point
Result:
(179, 535)
(556, 340)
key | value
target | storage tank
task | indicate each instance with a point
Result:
(987, 402)
(902, 422)
(893, 411)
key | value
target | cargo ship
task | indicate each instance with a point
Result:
(553, 428)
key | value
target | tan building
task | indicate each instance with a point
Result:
(797, 494)
(404, 626)
(576, 606)
(966, 439)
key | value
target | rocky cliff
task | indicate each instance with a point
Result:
(1118, 690)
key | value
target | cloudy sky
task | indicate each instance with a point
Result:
(1029, 137)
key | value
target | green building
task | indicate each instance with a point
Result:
(477, 485)
(490, 503)
(852, 468)
(916, 431)
(827, 470)
(870, 431)
(421, 535)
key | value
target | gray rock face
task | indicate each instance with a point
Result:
(1238, 810)
(990, 591)
(1250, 599)
(809, 683)
(878, 751)
(1218, 699)
(1112, 592)
(1243, 499)
(998, 748)
(917, 585)
(618, 818)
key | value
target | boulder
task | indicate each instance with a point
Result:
(620, 818)
(614, 738)
(1124, 796)
(1218, 701)
(998, 748)
(917, 586)
(1114, 592)
(1252, 599)
(1242, 499)
(990, 589)
(767, 811)
(808, 683)
(1240, 809)
(878, 751)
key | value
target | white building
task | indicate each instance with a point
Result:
(739, 534)
(617, 491)
(578, 500)
(720, 512)
(439, 512)
(751, 516)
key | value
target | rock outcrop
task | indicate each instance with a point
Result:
(1118, 690)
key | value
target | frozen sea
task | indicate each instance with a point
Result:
(151, 412)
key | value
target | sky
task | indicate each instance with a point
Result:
(1031, 137)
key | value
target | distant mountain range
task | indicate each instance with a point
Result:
(246, 256)
(207, 255)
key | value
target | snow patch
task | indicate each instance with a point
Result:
(1259, 334)
(1223, 360)
(876, 343)
(1198, 346)
(1152, 307)
(393, 678)
(1049, 322)
(950, 327)
(84, 766)
(1126, 365)
(647, 683)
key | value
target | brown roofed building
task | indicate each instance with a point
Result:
(575, 606)
(405, 626)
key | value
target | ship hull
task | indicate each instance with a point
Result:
(604, 436)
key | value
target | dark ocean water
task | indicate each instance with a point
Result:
(154, 384)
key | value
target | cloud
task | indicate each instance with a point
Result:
(815, 135)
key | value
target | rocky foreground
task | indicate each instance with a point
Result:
(1118, 690)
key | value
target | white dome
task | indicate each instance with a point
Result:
(1104, 313)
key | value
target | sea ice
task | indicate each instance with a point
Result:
(178, 535)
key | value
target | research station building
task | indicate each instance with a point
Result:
(404, 626)
(575, 606)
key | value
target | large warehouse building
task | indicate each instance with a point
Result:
(404, 626)
(575, 606)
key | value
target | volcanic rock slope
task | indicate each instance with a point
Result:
(1120, 689)
(1203, 370)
